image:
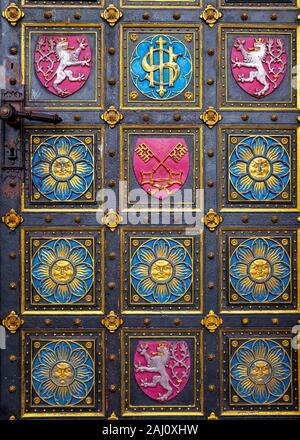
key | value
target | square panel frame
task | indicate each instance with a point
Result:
(224, 286)
(271, 334)
(198, 373)
(99, 291)
(27, 68)
(223, 67)
(99, 336)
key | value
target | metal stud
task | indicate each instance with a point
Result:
(112, 255)
(12, 388)
(244, 16)
(147, 322)
(211, 255)
(210, 153)
(13, 50)
(210, 183)
(176, 117)
(146, 117)
(274, 218)
(245, 117)
(77, 322)
(48, 14)
(112, 285)
(48, 218)
(176, 321)
(48, 322)
(176, 16)
(77, 219)
(111, 51)
(245, 218)
(113, 388)
(210, 51)
(211, 285)
(245, 321)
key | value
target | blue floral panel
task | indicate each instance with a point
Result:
(260, 372)
(161, 67)
(62, 168)
(260, 270)
(63, 373)
(259, 168)
(161, 271)
(62, 271)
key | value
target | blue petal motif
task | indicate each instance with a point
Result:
(254, 187)
(75, 181)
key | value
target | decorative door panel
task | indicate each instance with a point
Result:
(149, 210)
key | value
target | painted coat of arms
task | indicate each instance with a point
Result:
(162, 368)
(161, 165)
(258, 64)
(62, 64)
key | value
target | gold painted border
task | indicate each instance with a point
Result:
(259, 6)
(97, 312)
(177, 208)
(255, 311)
(297, 177)
(271, 30)
(144, 310)
(99, 67)
(152, 104)
(136, 4)
(169, 333)
(68, 4)
(52, 132)
(24, 334)
(251, 336)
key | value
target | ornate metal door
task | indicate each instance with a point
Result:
(150, 202)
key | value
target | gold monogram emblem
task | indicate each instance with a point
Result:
(171, 66)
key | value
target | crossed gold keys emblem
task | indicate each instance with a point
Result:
(160, 182)
(149, 66)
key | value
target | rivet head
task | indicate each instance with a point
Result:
(176, 117)
(275, 321)
(211, 388)
(245, 218)
(48, 218)
(211, 356)
(111, 183)
(245, 117)
(298, 219)
(146, 118)
(77, 15)
(245, 321)
(176, 16)
(13, 285)
(112, 255)
(48, 14)
(147, 321)
(210, 51)
(112, 81)
(274, 218)
(176, 321)
(112, 153)
(210, 153)
(12, 358)
(211, 255)
(112, 357)
(273, 16)
(112, 285)
(210, 183)
(244, 16)
(113, 388)
(146, 16)
(77, 322)
(111, 51)
(12, 183)
(13, 50)
(210, 81)
(12, 255)
(48, 322)
(274, 118)
(12, 388)
(77, 117)
(13, 81)
(77, 219)
(211, 285)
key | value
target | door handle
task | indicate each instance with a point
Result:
(9, 114)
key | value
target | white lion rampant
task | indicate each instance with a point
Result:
(67, 57)
(157, 363)
(255, 57)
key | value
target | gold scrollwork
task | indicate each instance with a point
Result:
(113, 416)
(13, 14)
(12, 322)
(210, 15)
(112, 321)
(212, 321)
(112, 116)
(12, 219)
(112, 219)
(212, 416)
(212, 219)
(210, 117)
(111, 15)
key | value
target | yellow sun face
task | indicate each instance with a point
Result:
(62, 168)
(62, 374)
(260, 269)
(62, 271)
(161, 270)
(259, 168)
(260, 371)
